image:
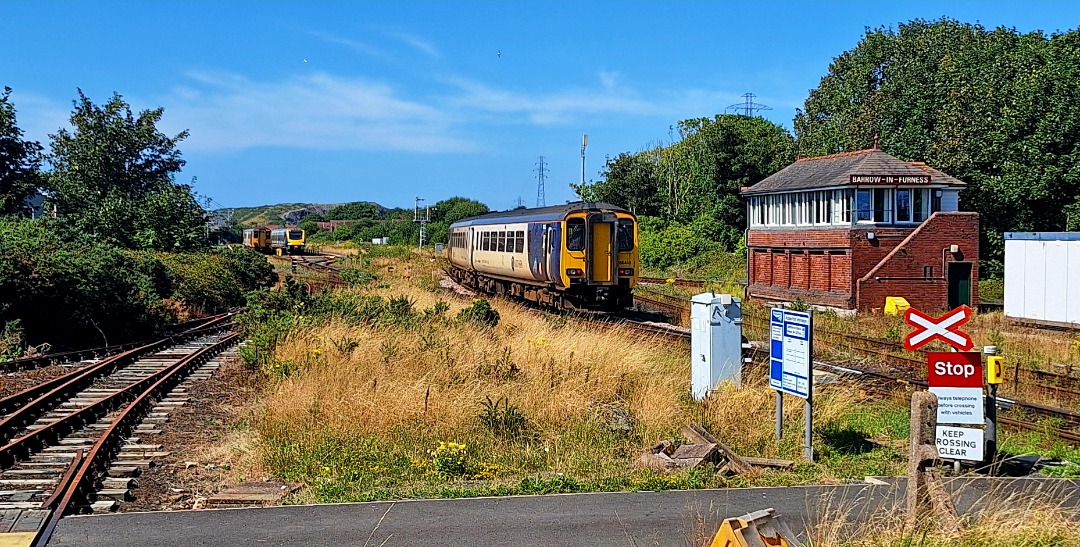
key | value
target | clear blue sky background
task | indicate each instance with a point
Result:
(378, 100)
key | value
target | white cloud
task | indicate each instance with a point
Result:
(320, 111)
(355, 45)
(417, 43)
(556, 107)
(39, 116)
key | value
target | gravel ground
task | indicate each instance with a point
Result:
(19, 380)
(196, 436)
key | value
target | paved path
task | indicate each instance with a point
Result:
(677, 518)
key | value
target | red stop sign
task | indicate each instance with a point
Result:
(954, 369)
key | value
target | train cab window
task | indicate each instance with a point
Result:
(575, 234)
(519, 245)
(625, 235)
(502, 242)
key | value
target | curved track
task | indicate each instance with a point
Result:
(66, 445)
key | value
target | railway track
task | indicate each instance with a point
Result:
(1013, 413)
(75, 443)
(77, 356)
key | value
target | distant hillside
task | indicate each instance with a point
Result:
(282, 213)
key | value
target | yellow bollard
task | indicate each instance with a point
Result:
(758, 529)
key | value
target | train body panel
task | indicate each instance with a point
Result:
(257, 238)
(574, 255)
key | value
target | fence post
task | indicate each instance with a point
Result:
(925, 490)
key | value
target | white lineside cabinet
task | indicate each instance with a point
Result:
(715, 342)
(1042, 277)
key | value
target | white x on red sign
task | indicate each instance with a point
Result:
(945, 328)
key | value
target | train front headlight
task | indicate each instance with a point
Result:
(628, 272)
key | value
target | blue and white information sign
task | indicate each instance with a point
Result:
(790, 352)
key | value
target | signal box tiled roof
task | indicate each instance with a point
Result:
(836, 170)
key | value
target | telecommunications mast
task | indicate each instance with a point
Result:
(422, 217)
(584, 143)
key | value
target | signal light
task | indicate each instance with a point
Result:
(575, 272)
(626, 271)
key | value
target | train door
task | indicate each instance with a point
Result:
(472, 247)
(601, 247)
(553, 251)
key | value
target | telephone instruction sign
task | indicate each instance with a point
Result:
(790, 352)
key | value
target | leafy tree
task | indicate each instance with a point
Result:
(697, 179)
(19, 161)
(355, 211)
(995, 108)
(449, 211)
(112, 179)
(630, 180)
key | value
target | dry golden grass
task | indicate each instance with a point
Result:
(398, 376)
(997, 519)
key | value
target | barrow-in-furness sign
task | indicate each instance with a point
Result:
(889, 179)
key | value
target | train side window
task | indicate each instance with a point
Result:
(575, 234)
(502, 242)
(520, 246)
(485, 241)
(625, 235)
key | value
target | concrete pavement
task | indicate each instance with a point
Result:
(677, 518)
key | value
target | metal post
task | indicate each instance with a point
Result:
(808, 439)
(779, 415)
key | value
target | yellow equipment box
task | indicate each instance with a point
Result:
(896, 305)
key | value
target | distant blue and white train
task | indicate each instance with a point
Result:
(578, 255)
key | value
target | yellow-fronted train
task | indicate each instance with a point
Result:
(279, 240)
(580, 255)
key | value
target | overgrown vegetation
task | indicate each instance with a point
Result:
(104, 268)
(70, 290)
(389, 390)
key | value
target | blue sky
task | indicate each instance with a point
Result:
(383, 101)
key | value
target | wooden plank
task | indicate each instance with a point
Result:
(735, 462)
(7, 519)
(30, 520)
(766, 462)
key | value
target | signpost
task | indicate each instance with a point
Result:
(791, 355)
(956, 378)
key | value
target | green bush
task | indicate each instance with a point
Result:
(480, 313)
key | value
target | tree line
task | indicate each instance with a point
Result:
(996, 108)
(123, 248)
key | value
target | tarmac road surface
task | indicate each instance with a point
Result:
(677, 518)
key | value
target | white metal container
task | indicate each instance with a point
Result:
(715, 342)
(1042, 277)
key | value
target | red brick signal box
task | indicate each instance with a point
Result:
(847, 230)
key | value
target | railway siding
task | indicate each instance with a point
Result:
(76, 443)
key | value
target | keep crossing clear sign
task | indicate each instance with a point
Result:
(790, 352)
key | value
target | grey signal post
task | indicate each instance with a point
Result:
(791, 367)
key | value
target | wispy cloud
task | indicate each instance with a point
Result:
(416, 43)
(39, 116)
(321, 111)
(353, 44)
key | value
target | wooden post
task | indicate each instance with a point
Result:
(924, 488)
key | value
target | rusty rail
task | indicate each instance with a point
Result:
(47, 359)
(81, 476)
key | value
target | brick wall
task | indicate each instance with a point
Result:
(917, 266)
(841, 267)
(790, 264)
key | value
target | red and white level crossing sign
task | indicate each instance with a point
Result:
(945, 328)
